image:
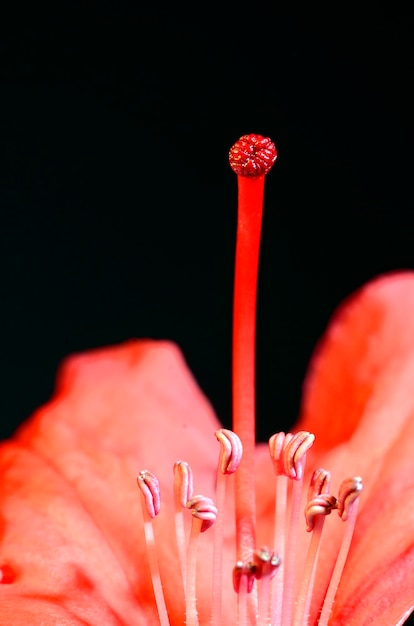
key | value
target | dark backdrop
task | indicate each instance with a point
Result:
(118, 205)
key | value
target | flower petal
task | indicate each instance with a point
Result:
(359, 402)
(72, 547)
(378, 583)
(364, 364)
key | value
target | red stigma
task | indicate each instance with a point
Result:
(252, 155)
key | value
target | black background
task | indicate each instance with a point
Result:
(118, 206)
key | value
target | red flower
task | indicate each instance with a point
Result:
(71, 527)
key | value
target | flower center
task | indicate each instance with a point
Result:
(270, 588)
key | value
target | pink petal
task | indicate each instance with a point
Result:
(359, 401)
(72, 540)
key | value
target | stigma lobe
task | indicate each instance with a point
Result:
(252, 155)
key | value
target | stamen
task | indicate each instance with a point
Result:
(242, 570)
(316, 510)
(150, 490)
(277, 443)
(203, 509)
(294, 454)
(348, 492)
(231, 451)
(183, 491)
(347, 508)
(317, 507)
(243, 581)
(183, 484)
(294, 457)
(150, 500)
(251, 158)
(267, 563)
(319, 483)
(204, 514)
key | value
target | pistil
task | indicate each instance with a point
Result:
(251, 157)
